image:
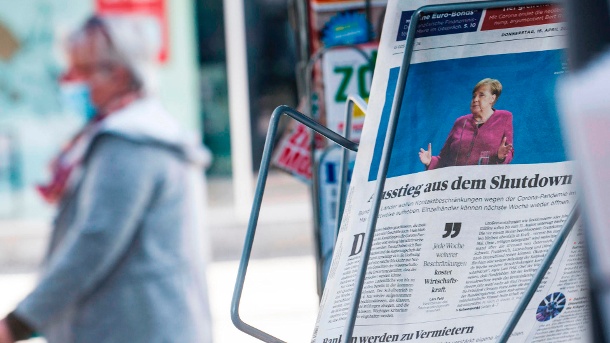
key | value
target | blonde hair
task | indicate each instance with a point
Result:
(495, 87)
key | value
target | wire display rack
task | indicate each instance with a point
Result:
(349, 145)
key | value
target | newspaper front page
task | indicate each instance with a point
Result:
(455, 247)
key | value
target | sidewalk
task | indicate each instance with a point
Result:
(284, 228)
(279, 296)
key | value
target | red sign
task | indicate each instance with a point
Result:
(152, 8)
(521, 16)
(294, 153)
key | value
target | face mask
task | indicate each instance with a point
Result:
(76, 98)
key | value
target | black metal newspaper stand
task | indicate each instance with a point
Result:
(381, 178)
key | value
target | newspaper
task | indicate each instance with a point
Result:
(455, 247)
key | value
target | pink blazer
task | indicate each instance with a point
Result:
(466, 141)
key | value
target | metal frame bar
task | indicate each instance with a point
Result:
(391, 132)
(300, 10)
(539, 275)
(352, 100)
(369, 19)
(256, 205)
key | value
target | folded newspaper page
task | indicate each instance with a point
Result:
(469, 208)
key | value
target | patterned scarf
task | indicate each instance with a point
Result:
(66, 168)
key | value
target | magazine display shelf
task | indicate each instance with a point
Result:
(379, 186)
(315, 181)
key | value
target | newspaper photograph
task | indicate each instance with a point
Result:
(469, 208)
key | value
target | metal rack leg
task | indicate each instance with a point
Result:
(537, 279)
(315, 182)
(352, 100)
(256, 205)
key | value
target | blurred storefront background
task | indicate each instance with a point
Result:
(271, 65)
(37, 114)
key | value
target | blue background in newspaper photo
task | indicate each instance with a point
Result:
(439, 92)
